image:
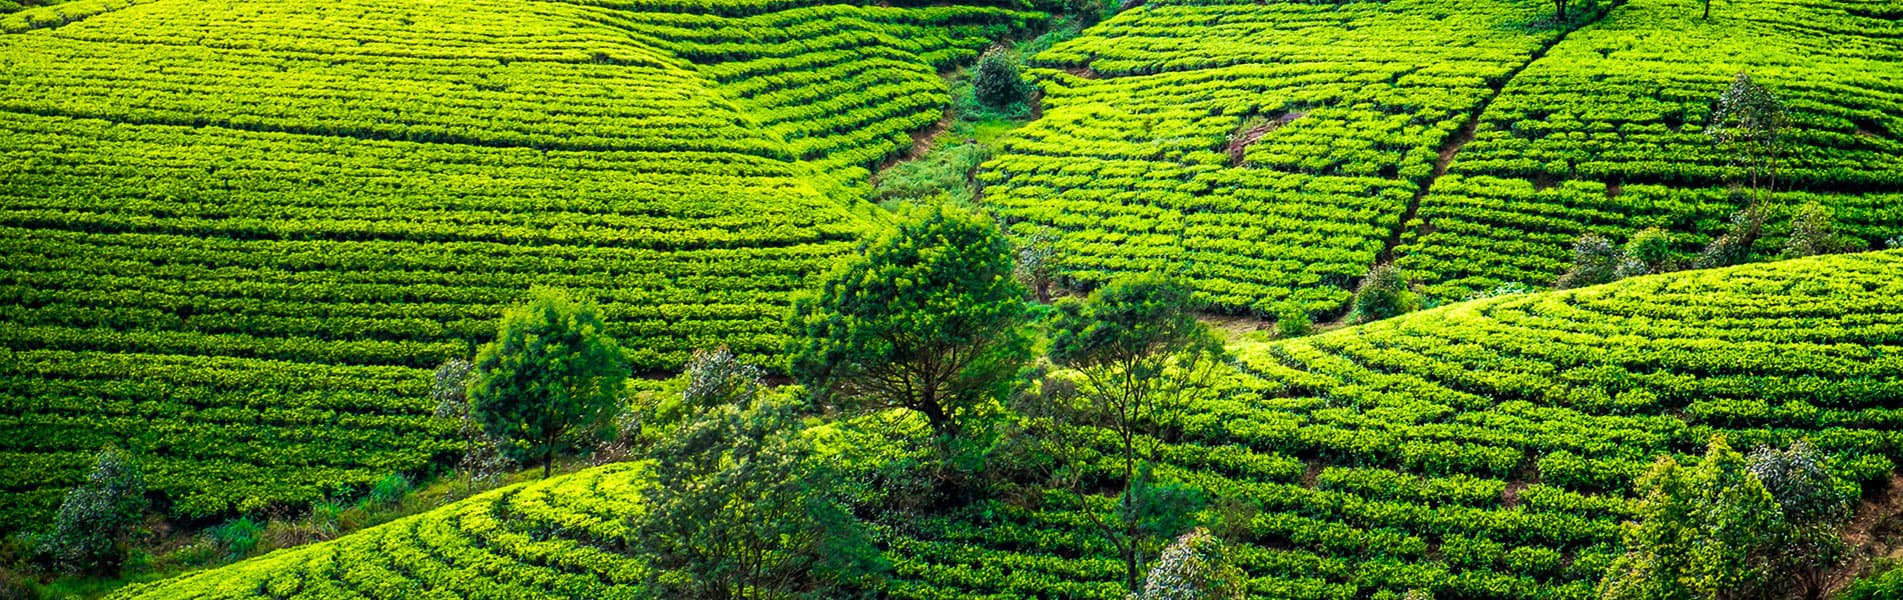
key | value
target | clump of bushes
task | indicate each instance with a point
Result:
(1383, 293)
(1597, 261)
(93, 530)
(999, 82)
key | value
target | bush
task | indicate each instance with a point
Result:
(1814, 232)
(1737, 243)
(1195, 567)
(93, 529)
(390, 489)
(999, 83)
(237, 536)
(1292, 321)
(551, 378)
(1595, 261)
(1382, 294)
(1652, 249)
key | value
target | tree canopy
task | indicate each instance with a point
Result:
(927, 318)
(552, 375)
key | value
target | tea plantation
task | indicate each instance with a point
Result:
(1480, 450)
(237, 235)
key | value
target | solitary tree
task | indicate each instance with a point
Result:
(741, 507)
(93, 529)
(1595, 261)
(1139, 351)
(551, 376)
(1702, 534)
(1749, 124)
(1037, 263)
(927, 318)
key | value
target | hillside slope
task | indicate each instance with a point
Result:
(1484, 449)
(237, 235)
(1276, 151)
(1481, 450)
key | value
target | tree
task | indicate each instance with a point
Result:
(1749, 124)
(927, 318)
(552, 375)
(1704, 532)
(92, 531)
(1037, 263)
(482, 457)
(1707, 10)
(998, 83)
(1194, 567)
(740, 505)
(1139, 351)
(1559, 11)
(1595, 261)
(1813, 508)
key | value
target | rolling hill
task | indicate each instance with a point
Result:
(238, 235)
(1479, 450)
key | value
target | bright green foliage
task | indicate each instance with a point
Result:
(249, 230)
(1292, 321)
(926, 318)
(1517, 423)
(1605, 134)
(1130, 162)
(1648, 251)
(550, 379)
(91, 533)
(998, 82)
(1383, 293)
(556, 538)
(1704, 532)
(1885, 584)
(1194, 567)
(740, 506)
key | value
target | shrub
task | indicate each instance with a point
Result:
(1292, 321)
(1651, 248)
(999, 83)
(1382, 294)
(237, 536)
(1738, 242)
(92, 531)
(1595, 261)
(1195, 567)
(390, 489)
(1814, 232)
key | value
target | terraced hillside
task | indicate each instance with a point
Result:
(541, 540)
(1484, 449)
(1606, 135)
(1275, 152)
(1480, 450)
(236, 236)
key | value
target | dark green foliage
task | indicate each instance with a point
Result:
(1749, 123)
(92, 532)
(390, 489)
(1292, 321)
(1737, 244)
(1884, 585)
(1595, 261)
(1138, 351)
(1383, 293)
(1196, 566)
(741, 507)
(237, 536)
(550, 379)
(1651, 250)
(1037, 264)
(1814, 232)
(999, 83)
(1813, 507)
(1706, 532)
(927, 318)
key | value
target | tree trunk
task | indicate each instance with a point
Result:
(1707, 10)
(1559, 10)
(548, 459)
